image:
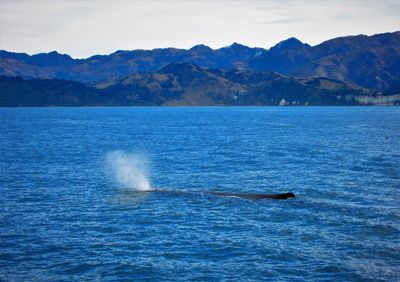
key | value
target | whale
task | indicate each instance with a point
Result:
(249, 196)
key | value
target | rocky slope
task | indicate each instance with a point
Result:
(189, 84)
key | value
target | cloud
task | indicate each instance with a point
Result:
(86, 27)
(287, 21)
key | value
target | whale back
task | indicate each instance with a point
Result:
(282, 196)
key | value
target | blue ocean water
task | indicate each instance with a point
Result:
(68, 212)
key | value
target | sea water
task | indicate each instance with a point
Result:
(74, 201)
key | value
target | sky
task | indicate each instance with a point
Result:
(82, 28)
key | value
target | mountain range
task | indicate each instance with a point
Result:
(342, 71)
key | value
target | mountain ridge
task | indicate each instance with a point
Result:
(368, 61)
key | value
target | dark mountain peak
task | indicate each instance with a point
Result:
(289, 43)
(360, 42)
(236, 52)
(12, 55)
(345, 40)
(283, 57)
(238, 46)
(345, 44)
(388, 38)
(53, 55)
(120, 52)
(234, 47)
(200, 48)
(50, 59)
